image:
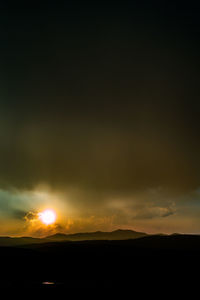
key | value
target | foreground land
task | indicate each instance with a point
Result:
(138, 264)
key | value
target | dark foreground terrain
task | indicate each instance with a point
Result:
(158, 263)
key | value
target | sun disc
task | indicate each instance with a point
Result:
(48, 216)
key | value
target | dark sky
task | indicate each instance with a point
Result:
(100, 103)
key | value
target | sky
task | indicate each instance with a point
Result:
(99, 116)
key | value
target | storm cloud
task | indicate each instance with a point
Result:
(101, 102)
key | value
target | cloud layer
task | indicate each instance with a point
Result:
(102, 106)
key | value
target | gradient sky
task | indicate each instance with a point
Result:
(99, 116)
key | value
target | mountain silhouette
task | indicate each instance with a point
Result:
(98, 235)
(150, 261)
(18, 241)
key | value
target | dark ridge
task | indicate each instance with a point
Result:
(149, 262)
(98, 235)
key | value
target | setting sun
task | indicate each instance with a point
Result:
(48, 216)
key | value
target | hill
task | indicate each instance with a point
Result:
(17, 241)
(127, 265)
(99, 235)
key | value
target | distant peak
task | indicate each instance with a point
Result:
(124, 230)
(116, 234)
(57, 235)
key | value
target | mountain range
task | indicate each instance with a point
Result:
(58, 237)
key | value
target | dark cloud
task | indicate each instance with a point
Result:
(100, 99)
(155, 212)
(11, 205)
(19, 214)
(147, 205)
(31, 216)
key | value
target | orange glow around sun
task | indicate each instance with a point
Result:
(47, 216)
